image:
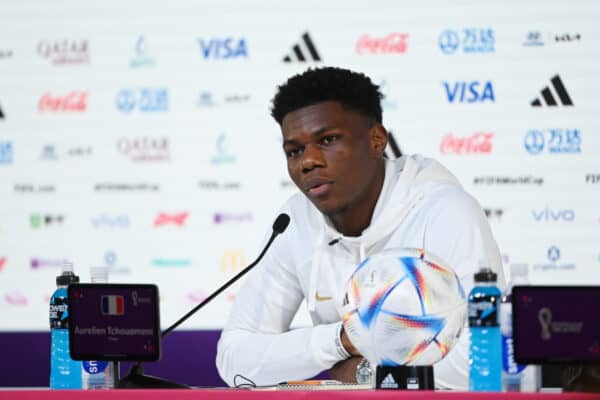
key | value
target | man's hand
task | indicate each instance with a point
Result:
(345, 371)
(348, 344)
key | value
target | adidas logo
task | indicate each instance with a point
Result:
(549, 97)
(393, 150)
(300, 52)
(388, 382)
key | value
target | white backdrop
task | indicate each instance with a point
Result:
(137, 134)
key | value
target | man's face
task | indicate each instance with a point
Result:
(331, 156)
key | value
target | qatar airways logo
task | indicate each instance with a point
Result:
(145, 149)
(64, 51)
(394, 43)
(2, 263)
(74, 101)
(476, 143)
(177, 219)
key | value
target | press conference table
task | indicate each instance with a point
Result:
(241, 394)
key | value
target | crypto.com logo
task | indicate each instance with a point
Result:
(177, 219)
(553, 254)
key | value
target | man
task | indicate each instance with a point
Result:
(354, 203)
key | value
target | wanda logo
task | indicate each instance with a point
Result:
(477, 143)
(394, 43)
(75, 101)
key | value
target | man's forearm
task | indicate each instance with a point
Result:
(267, 359)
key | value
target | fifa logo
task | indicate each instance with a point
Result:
(545, 319)
(232, 261)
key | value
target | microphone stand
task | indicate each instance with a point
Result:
(136, 378)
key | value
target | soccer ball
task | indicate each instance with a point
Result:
(404, 307)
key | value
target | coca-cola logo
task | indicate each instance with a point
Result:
(145, 148)
(477, 143)
(64, 51)
(75, 101)
(394, 43)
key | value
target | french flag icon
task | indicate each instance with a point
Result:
(113, 305)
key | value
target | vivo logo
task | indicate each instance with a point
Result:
(223, 48)
(108, 221)
(548, 214)
(469, 92)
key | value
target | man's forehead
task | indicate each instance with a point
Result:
(314, 117)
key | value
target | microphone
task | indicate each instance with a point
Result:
(136, 377)
(279, 226)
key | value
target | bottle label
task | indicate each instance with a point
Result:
(483, 312)
(509, 365)
(59, 312)
(94, 367)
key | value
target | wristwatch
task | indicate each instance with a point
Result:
(364, 373)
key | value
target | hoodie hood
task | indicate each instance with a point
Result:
(407, 181)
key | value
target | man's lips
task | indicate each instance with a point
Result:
(318, 186)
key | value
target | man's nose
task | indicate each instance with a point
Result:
(312, 157)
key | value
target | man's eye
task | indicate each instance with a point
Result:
(293, 153)
(329, 139)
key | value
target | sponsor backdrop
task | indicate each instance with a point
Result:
(137, 135)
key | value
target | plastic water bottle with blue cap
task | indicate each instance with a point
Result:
(485, 350)
(65, 373)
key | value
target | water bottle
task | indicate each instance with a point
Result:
(98, 374)
(485, 350)
(515, 377)
(64, 372)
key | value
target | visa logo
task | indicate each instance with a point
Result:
(548, 214)
(223, 48)
(469, 92)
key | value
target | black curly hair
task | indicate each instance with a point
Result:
(352, 89)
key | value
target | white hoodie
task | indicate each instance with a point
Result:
(421, 205)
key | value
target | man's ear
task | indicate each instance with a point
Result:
(378, 138)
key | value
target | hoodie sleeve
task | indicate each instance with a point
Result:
(458, 233)
(256, 343)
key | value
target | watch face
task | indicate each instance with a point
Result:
(363, 372)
